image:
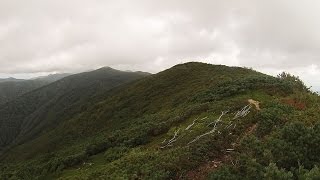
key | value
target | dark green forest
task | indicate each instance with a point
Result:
(192, 121)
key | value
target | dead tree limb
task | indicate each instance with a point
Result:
(243, 112)
(172, 140)
(219, 119)
(228, 126)
(205, 134)
(213, 129)
(194, 121)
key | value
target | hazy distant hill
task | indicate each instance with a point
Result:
(10, 79)
(192, 121)
(12, 88)
(52, 77)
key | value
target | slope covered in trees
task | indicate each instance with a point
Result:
(193, 121)
(44, 108)
(12, 88)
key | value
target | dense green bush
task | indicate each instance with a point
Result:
(294, 80)
(224, 173)
(226, 89)
(272, 172)
(292, 151)
(297, 144)
(272, 117)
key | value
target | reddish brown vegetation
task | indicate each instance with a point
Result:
(202, 171)
(294, 103)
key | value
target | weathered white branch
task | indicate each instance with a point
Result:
(205, 134)
(213, 129)
(175, 136)
(194, 121)
(219, 119)
(228, 126)
(204, 118)
(243, 112)
(235, 125)
(172, 140)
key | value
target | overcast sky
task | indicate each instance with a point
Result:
(38, 37)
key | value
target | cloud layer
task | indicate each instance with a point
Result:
(39, 36)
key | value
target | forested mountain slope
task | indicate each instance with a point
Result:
(193, 121)
(44, 108)
(12, 88)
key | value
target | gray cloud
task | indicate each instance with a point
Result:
(39, 36)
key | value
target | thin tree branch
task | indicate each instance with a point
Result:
(219, 119)
(243, 112)
(194, 121)
(213, 129)
(205, 134)
(172, 140)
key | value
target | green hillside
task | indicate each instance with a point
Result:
(11, 88)
(193, 121)
(37, 111)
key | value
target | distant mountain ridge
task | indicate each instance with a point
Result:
(11, 79)
(12, 88)
(52, 77)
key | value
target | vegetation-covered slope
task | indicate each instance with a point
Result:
(193, 121)
(44, 108)
(12, 88)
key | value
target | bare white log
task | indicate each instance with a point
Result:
(243, 112)
(219, 119)
(235, 125)
(194, 121)
(228, 126)
(204, 118)
(213, 129)
(205, 134)
(172, 140)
